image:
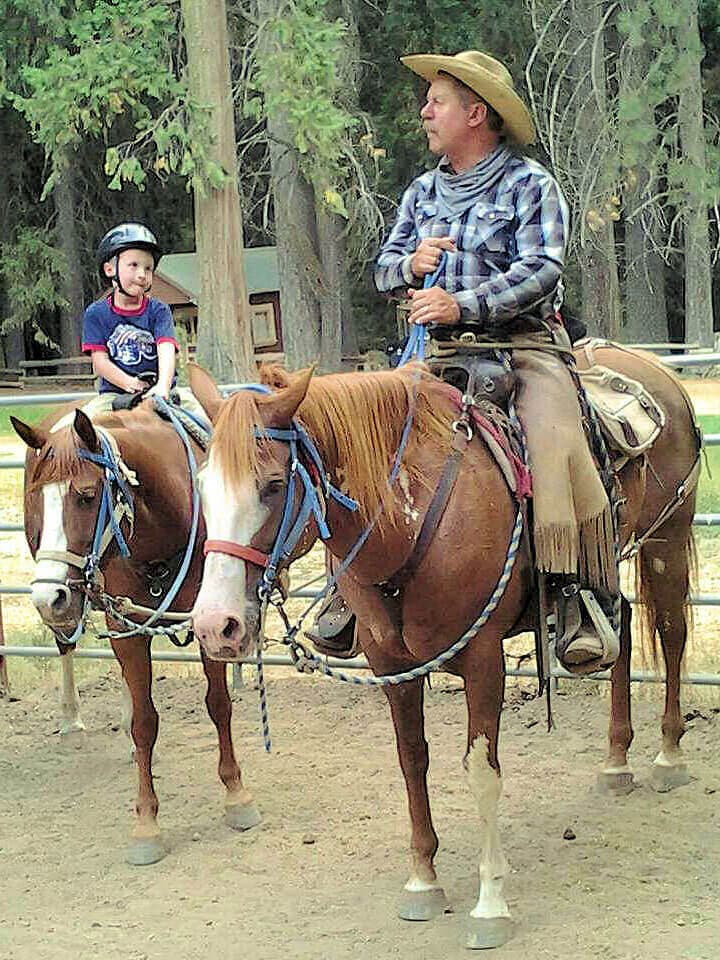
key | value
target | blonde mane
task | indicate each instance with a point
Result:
(356, 421)
(56, 461)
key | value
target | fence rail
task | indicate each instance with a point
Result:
(698, 599)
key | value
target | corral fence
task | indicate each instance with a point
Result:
(680, 361)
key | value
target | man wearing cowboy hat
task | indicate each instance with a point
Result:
(491, 226)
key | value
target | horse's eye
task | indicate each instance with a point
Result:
(85, 497)
(272, 488)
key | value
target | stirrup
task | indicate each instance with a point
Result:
(333, 633)
(585, 642)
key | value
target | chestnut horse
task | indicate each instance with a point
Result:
(356, 422)
(63, 496)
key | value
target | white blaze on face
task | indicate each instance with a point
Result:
(234, 515)
(52, 538)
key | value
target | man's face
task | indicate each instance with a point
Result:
(135, 271)
(445, 119)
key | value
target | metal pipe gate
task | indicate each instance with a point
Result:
(641, 676)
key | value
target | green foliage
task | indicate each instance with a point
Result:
(297, 77)
(100, 68)
(32, 270)
(647, 110)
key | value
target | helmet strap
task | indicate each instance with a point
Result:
(116, 279)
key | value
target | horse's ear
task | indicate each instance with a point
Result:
(82, 425)
(204, 389)
(275, 376)
(278, 409)
(32, 436)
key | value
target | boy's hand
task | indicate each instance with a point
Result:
(158, 390)
(136, 385)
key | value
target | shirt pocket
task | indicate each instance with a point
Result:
(428, 223)
(488, 227)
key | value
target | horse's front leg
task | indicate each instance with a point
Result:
(240, 810)
(69, 698)
(423, 897)
(133, 654)
(616, 776)
(484, 672)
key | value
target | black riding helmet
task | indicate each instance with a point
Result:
(125, 236)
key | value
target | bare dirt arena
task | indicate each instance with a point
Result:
(321, 876)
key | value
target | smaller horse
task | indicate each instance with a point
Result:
(150, 513)
(412, 609)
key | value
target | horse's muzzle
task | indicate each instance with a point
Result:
(59, 608)
(221, 634)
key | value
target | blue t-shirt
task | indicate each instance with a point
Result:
(130, 337)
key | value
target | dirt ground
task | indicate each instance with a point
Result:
(321, 876)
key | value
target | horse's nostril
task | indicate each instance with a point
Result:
(59, 602)
(230, 627)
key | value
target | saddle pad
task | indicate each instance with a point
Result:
(630, 416)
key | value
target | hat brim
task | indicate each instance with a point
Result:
(517, 121)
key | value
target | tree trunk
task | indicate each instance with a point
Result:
(598, 262)
(646, 319)
(698, 275)
(224, 330)
(331, 244)
(66, 232)
(314, 281)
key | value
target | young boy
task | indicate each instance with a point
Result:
(130, 335)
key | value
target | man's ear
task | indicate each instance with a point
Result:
(477, 115)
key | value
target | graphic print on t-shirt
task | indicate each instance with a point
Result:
(129, 346)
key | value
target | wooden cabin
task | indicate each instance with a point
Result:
(177, 283)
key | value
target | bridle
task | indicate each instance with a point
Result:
(309, 476)
(116, 504)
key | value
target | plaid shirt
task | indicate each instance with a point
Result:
(510, 245)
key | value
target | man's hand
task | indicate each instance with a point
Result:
(427, 256)
(433, 305)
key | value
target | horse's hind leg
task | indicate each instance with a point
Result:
(69, 699)
(240, 810)
(133, 654)
(484, 688)
(665, 585)
(616, 776)
(423, 898)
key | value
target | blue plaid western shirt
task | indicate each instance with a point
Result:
(510, 245)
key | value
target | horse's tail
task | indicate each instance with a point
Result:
(648, 606)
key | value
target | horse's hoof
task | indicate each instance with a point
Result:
(71, 726)
(665, 777)
(242, 816)
(423, 904)
(488, 932)
(616, 782)
(143, 852)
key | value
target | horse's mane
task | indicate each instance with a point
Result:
(356, 421)
(58, 459)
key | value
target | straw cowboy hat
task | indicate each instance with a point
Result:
(488, 78)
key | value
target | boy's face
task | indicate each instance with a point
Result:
(135, 271)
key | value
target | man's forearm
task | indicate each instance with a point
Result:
(527, 283)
